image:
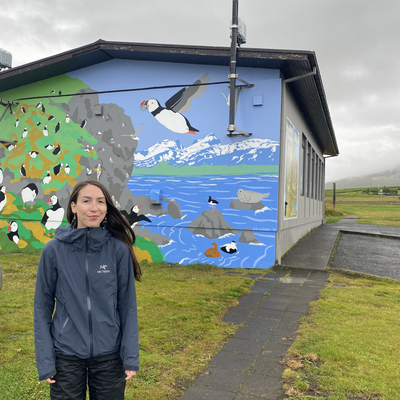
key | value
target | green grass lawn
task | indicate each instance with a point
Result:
(180, 310)
(370, 209)
(348, 347)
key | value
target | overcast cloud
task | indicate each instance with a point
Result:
(356, 43)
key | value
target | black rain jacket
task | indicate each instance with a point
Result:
(87, 275)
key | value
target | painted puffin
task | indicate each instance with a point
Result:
(53, 217)
(57, 150)
(3, 197)
(57, 128)
(212, 202)
(171, 115)
(133, 218)
(24, 133)
(47, 178)
(1, 175)
(57, 169)
(29, 193)
(45, 131)
(229, 248)
(33, 154)
(22, 171)
(13, 232)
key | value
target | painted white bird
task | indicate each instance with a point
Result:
(3, 197)
(47, 178)
(53, 217)
(13, 232)
(29, 193)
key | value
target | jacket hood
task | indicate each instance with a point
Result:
(77, 237)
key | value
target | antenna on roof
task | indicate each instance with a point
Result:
(5, 59)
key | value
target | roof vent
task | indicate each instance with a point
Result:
(5, 59)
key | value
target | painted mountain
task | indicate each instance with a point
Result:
(209, 151)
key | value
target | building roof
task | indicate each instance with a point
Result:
(308, 92)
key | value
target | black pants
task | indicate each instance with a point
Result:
(104, 376)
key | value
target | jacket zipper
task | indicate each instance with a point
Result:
(88, 300)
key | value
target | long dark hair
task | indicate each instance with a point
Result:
(116, 223)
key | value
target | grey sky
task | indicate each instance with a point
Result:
(356, 43)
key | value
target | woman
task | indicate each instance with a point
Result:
(88, 271)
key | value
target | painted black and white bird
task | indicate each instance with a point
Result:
(45, 131)
(134, 217)
(38, 123)
(17, 123)
(229, 248)
(11, 147)
(43, 109)
(22, 170)
(47, 178)
(13, 232)
(57, 150)
(57, 169)
(67, 169)
(57, 128)
(1, 175)
(51, 117)
(33, 154)
(67, 119)
(39, 105)
(23, 109)
(212, 202)
(83, 123)
(49, 146)
(53, 217)
(171, 115)
(3, 197)
(53, 91)
(24, 133)
(29, 193)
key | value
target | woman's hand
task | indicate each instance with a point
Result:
(49, 380)
(129, 374)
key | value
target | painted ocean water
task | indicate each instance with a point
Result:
(191, 193)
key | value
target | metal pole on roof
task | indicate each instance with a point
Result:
(232, 76)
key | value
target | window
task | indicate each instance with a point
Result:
(312, 174)
(304, 173)
(308, 169)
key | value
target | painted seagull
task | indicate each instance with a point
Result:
(171, 115)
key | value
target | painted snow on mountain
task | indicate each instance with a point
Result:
(209, 151)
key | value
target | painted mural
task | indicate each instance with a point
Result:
(190, 192)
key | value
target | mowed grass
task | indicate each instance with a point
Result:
(180, 310)
(370, 209)
(349, 345)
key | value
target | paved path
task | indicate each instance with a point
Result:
(248, 366)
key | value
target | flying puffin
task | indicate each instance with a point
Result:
(53, 217)
(22, 171)
(33, 154)
(57, 150)
(10, 147)
(49, 147)
(83, 123)
(51, 117)
(171, 115)
(24, 133)
(38, 105)
(133, 218)
(57, 169)
(29, 193)
(13, 232)
(212, 202)
(229, 248)
(38, 123)
(45, 131)
(47, 178)
(3, 197)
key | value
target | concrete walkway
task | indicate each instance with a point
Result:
(248, 367)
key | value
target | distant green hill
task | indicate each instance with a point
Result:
(390, 177)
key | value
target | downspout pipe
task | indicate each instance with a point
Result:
(232, 76)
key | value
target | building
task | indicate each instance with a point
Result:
(150, 122)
